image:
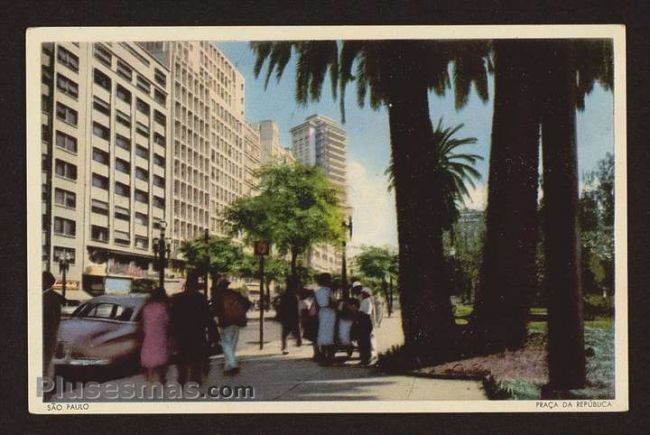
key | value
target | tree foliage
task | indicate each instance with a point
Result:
(453, 171)
(220, 256)
(296, 208)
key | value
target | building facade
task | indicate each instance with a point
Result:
(321, 141)
(210, 138)
(105, 135)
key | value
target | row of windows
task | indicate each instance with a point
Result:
(122, 189)
(101, 207)
(100, 234)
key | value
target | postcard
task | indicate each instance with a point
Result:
(327, 219)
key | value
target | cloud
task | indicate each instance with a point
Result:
(373, 213)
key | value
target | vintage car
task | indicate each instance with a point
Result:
(103, 331)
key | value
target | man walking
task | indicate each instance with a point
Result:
(231, 308)
(289, 315)
(193, 328)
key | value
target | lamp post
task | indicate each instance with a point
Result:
(344, 267)
(64, 265)
(161, 249)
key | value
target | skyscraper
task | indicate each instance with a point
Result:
(321, 141)
(210, 134)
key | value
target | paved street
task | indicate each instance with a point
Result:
(295, 377)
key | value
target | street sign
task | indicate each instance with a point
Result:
(262, 247)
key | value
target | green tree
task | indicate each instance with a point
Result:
(219, 257)
(399, 75)
(452, 171)
(296, 208)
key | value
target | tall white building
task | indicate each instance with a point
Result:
(210, 137)
(321, 141)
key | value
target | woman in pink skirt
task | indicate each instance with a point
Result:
(154, 355)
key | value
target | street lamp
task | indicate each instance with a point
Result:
(344, 272)
(64, 265)
(161, 250)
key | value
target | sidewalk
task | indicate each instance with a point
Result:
(295, 377)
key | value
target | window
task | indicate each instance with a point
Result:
(65, 198)
(143, 84)
(100, 156)
(159, 117)
(123, 118)
(141, 218)
(65, 169)
(142, 129)
(102, 79)
(66, 114)
(159, 181)
(68, 59)
(141, 174)
(159, 97)
(159, 139)
(142, 106)
(101, 131)
(141, 196)
(66, 142)
(121, 237)
(98, 234)
(142, 151)
(159, 160)
(123, 94)
(122, 213)
(65, 227)
(122, 166)
(124, 70)
(160, 77)
(122, 142)
(67, 86)
(158, 202)
(100, 181)
(122, 189)
(99, 207)
(101, 106)
(141, 242)
(103, 55)
(60, 252)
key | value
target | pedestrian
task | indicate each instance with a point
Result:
(231, 308)
(193, 330)
(344, 325)
(52, 302)
(366, 327)
(309, 319)
(155, 350)
(326, 317)
(289, 315)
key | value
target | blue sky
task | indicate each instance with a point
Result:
(369, 143)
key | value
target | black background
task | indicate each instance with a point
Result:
(17, 17)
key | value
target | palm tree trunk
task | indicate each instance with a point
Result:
(508, 270)
(427, 319)
(566, 353)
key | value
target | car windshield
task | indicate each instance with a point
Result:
(103, 310)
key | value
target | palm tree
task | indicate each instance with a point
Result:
(453, 172)
(399, 75)
(508, 270)
(538, 84)
(573, 68)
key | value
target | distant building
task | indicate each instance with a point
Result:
(271, 148)
(321, 141)
(105, 166)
